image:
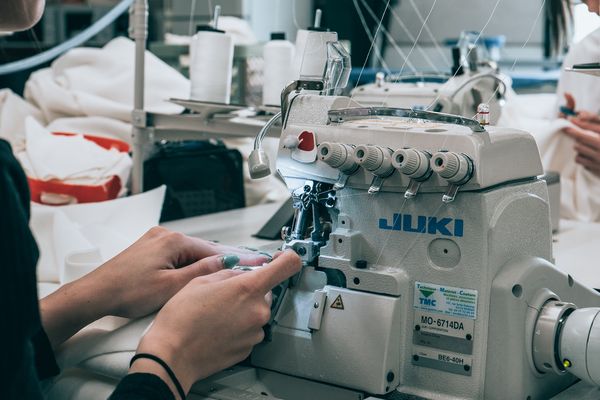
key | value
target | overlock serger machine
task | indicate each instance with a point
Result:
(427, 250)
(427, 265)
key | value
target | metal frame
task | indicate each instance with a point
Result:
(338, 116)
(210, 120)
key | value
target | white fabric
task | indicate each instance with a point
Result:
(97, 126)
(585, 88)
(13, 111)
(76, 239)
(91, 90)
(538, 115)
(99, 82)
(72, 159)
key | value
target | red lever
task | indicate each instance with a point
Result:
(307, 141)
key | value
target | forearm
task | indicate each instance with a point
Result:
(71, 308)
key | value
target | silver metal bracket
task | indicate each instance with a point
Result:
(341, 181)
(139, 118)
(308, 250)
(413, 189)
(316, 312)
(376, 185)
(450, 194)
(342, 115)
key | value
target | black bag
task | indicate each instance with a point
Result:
(201, 178)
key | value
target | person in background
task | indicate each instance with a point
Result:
(187, 279)
(582, 99)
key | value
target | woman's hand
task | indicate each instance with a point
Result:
(213, 322)
(587, 140)
(593, 5)
(587, 120)
(569, 104)
(138, 281)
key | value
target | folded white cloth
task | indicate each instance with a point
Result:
(91, 91)
(71, 159)
(99, 82)
(97, 126)
(75, 239)
(13, 111)
(584, 88)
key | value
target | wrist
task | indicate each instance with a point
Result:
(147, 366)
(165, 349)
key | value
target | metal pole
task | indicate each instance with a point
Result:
(138, 31)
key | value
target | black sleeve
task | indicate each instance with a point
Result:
(140, 386)
(18, 287)
(45, 363)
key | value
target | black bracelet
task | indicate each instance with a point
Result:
(166, 368)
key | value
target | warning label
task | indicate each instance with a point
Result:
(446, 300)
(338, 303)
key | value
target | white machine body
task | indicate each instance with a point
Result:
(425, 295)
(427, 274)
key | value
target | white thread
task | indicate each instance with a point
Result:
(370, 35)
(411, 36)
(211, 63)
(436, 44)
(468, 53)
(192, 12)
(372, 44)
(512, 68)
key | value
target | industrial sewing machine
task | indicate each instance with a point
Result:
(427, 249)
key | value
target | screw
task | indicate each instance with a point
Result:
(416, 357)
(417, 328)
(301, 251)
(316, 305)
(469, 337)
(390, 376)
(467, 368)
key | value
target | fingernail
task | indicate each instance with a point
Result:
(248, 248)
(269, 256)
(230, 261)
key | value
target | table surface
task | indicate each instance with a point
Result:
(576, 245)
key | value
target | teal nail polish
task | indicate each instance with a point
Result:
(230, 261)
(262, 253)
(248, 248)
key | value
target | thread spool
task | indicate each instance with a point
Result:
(278, 54)
(211, 64)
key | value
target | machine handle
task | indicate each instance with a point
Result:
(337, 116)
